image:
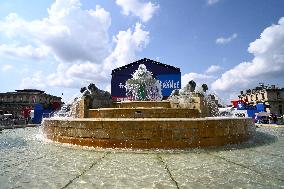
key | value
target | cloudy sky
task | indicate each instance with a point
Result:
(62, 45)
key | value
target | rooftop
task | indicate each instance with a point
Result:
(30, 91)
(142, 61)
(262, 87)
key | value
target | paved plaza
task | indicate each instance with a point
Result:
(27, 160)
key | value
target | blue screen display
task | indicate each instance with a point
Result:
(169, 82)
(170, 78)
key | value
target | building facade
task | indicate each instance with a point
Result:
(15, 102)
(271, 96)
(169, 76)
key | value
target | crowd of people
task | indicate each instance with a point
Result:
(10, 119)
(269, 119)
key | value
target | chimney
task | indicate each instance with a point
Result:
(242, 92)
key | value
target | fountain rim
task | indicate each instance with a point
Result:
(147, 119)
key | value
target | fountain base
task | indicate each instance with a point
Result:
(149, 133)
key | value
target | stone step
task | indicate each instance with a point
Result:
(143, 113)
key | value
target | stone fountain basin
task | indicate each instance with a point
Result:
(149, 133)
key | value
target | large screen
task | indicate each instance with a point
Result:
(169, 82)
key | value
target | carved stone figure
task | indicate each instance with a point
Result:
(204, 87)
(96, 98)
(191, 86)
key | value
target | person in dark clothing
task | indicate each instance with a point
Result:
(274, 118)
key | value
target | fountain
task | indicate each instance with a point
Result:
(183, 121)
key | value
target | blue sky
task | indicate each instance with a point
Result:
(60, 46)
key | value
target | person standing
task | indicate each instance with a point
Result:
(274, 118)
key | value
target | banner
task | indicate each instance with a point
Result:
(169, 82)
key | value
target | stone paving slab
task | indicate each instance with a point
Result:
(124, 170)
(270, 165)
(51, 171)
(27, 161)
(207, 171)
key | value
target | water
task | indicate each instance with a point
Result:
(143, 86)
(27, 160)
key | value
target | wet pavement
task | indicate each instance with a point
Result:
(27, 160)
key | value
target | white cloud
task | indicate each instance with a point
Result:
(142, 10)
(201, 78)
(268, 61)
(108, 88)
(127, 44)
(223, 41)
(79, 74)
(60, 79)
(197, 77)
(213, 69)
(35, 81)
(78, 41)
(6, 67)
(27, 51)
(212, 2)
(71, 33)
(79, 35)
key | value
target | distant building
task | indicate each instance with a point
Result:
(16, 102)
(169, 76)
(271, 96)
